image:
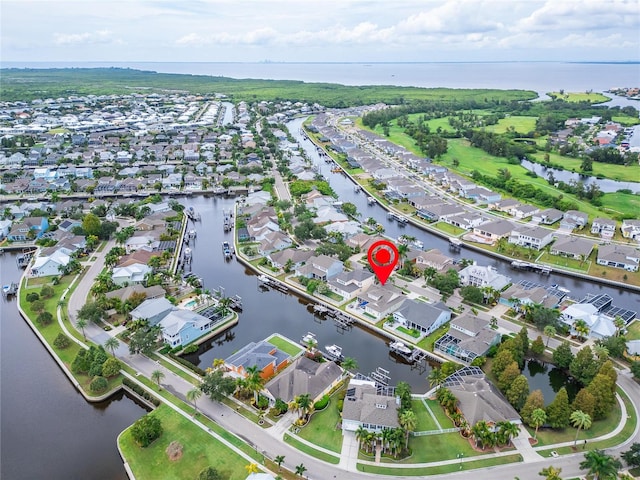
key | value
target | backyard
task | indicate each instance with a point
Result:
(323, 429)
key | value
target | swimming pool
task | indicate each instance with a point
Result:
(190, 304)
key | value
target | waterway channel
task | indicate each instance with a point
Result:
(47, 429)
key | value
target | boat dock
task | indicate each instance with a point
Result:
(191, 214)
(272, 283)
(381, 377)
(532, 267)
(402, 221)
(235, 302)
(24, 258)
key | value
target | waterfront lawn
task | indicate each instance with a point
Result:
(427, 342)
(324, 427)
(200, 450)
(284, 344)
(450, 229)
(565, 262)
(616, 274)
(590, 97)
(438, 411)
(406, 331)
(622, 203)
(603, 170)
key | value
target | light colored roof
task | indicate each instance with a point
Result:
(151, 308)
(304, 376)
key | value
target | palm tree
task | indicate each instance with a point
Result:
(429, 273)
(619, 324)
(397, 440)
(218, 363)
(254, 382)
(408, 421)
(579, 419)
(551, 473)
(480, 432)
(112, 344)
(600, 465)
(385, 438)
(300, 469)
(304, 404)
(507, 430)
(436, 377)
(549, 331)
(192, 396)
(538, 418)
(581, 328)
(157, 376)
(81, 323)
(361, 434)
(349, 364)
(279, 460)
(601, 352)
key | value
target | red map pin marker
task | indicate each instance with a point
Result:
(383, 257)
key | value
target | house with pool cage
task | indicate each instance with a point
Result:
(468, 337)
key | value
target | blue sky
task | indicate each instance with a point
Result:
(325, 31)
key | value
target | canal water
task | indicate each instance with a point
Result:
(47, 429)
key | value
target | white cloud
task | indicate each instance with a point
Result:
(100, 36)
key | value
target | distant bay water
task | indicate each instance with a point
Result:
(541, 77)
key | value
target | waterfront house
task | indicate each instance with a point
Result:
(152, 310)
(433, 258)
(149, 293)
(531, 237)
(572, 247)
(605, 227)
(303, 376)
(631, 229)
(352, 283)
(423, 317)
(378, 301)
(69, 224)
(481, 276)
(367, 407)
(619, 256)
(181, 326)
(5, 228)
(297, 256)
(468, 337)
(47, 265)
(599, 324)
(28, 228)
(440, 211)
(274, 241)
(493, 231)
(518, 295)
(321, 267)
(268, 358)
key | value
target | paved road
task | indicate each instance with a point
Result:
(265, 442)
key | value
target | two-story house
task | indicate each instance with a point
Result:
(29, 228)
(321, 267)
(605, 227)
(350, 284)
(481, 276)
(531, 237)
(468, 337)
(631, 229)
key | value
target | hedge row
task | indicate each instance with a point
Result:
(188, 364)
(140, 391)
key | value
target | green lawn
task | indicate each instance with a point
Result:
(520, 124)
(564, 262)
(604, 170)
(427, 342)
(406, 331)
(425, 421)
(450, 229)
(433, 448)
(287, 346)
(445, 422)
(200, 450)
(323, 429)
(303, 447)
(440, 469)
(633, 331)
(580, 97)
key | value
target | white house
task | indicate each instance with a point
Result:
(130, 274)
(619, 256)
(600, 325)
(421, 316)
(531, 237)
(481, 276)
(48, 265)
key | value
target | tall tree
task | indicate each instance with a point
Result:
(585, 402)
(349, 364)
(518, 391)
(632, 456)
(254, 382)
(563, 356)
(112, 343)
(534, 400)
(300, 469)
(408, 421)
(217, 386)
(580, 420)
(603, 390)
(549, 331)
(157, 376)
(558, 411)
(584, 366)
(503, 358)
(508, 375)
(81, 323)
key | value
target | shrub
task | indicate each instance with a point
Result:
(46, 291)
(340, 404)
(81, 363)
(188, 364)
(61, 341)
(164, 350)
(32, 297)
(44, 318)
(193, 348)
(111, 367)
(263, 402)
(322, 403)
(98, 384)
(209, 473)
(281, 406)
(140, 391)
(146, 429)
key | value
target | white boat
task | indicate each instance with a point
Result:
(333, 352)
(418, 244)
(400, 348)
(309, 340)
(560, 289)
(187, 252)
(226, 249)
(356, 188)
(263, 278)
(371, 200)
